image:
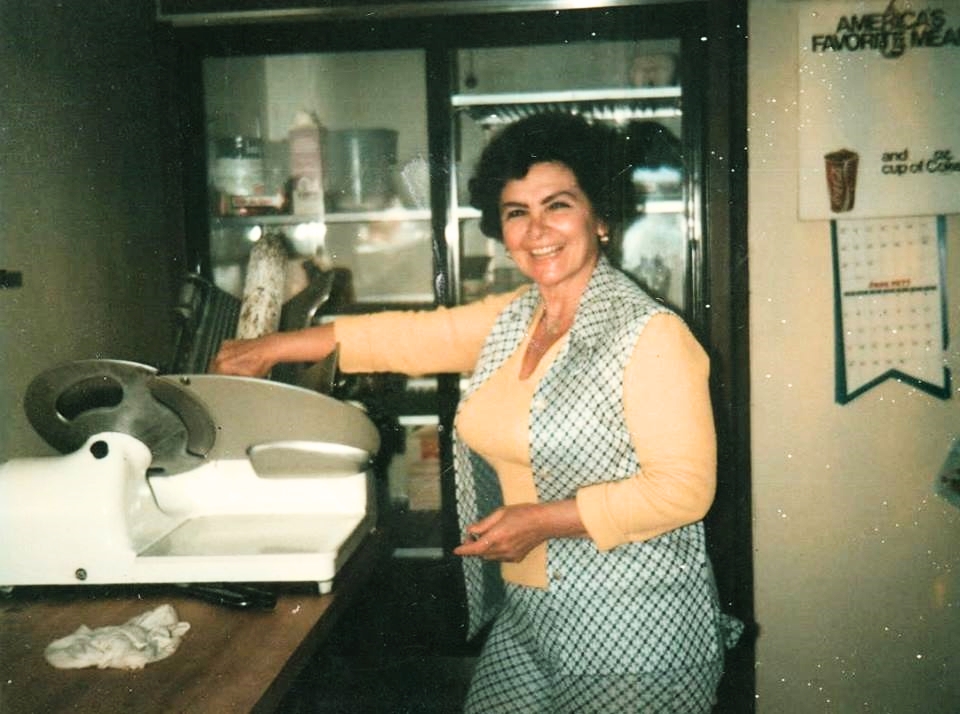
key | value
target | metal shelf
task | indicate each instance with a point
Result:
(286, 219)
(650, 205)
(614, 104)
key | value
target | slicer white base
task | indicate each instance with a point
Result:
(94, 517)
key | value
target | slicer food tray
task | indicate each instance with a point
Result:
(256, 534)
(254, 548)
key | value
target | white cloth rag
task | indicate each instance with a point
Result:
(149, 637)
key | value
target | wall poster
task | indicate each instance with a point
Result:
(891, 317)
(878, 108)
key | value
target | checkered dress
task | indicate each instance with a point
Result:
(640, 613)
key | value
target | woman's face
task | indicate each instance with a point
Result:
(549, 226)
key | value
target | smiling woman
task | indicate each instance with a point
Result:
(585, 450)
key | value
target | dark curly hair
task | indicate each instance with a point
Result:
(594, 152)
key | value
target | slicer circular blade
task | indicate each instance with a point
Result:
(71, 402)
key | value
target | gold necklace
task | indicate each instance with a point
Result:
(558, 327)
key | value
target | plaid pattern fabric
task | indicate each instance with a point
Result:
(642, 607)
(515, 675)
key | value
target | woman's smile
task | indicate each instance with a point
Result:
(546, 251)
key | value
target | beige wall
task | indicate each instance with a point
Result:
(84, 183)
(857, 562)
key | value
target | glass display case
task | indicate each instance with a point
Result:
(293, 148)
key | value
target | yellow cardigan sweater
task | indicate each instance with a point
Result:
(666, 404)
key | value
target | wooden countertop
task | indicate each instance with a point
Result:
(230, 660)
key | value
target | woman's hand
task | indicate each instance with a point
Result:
(255, 358)
(246, 358)
(510, 532)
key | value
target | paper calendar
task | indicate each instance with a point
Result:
(890, 304)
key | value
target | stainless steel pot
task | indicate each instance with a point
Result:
(359, 168)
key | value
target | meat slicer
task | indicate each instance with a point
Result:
(184, 479)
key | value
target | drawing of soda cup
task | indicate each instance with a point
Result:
(842, 179)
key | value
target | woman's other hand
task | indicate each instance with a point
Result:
(509, 533)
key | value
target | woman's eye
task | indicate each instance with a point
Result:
(513, 213)
(557, 205)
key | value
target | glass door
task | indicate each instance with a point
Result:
(632, 84)
(324, 157)
(328, 152)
